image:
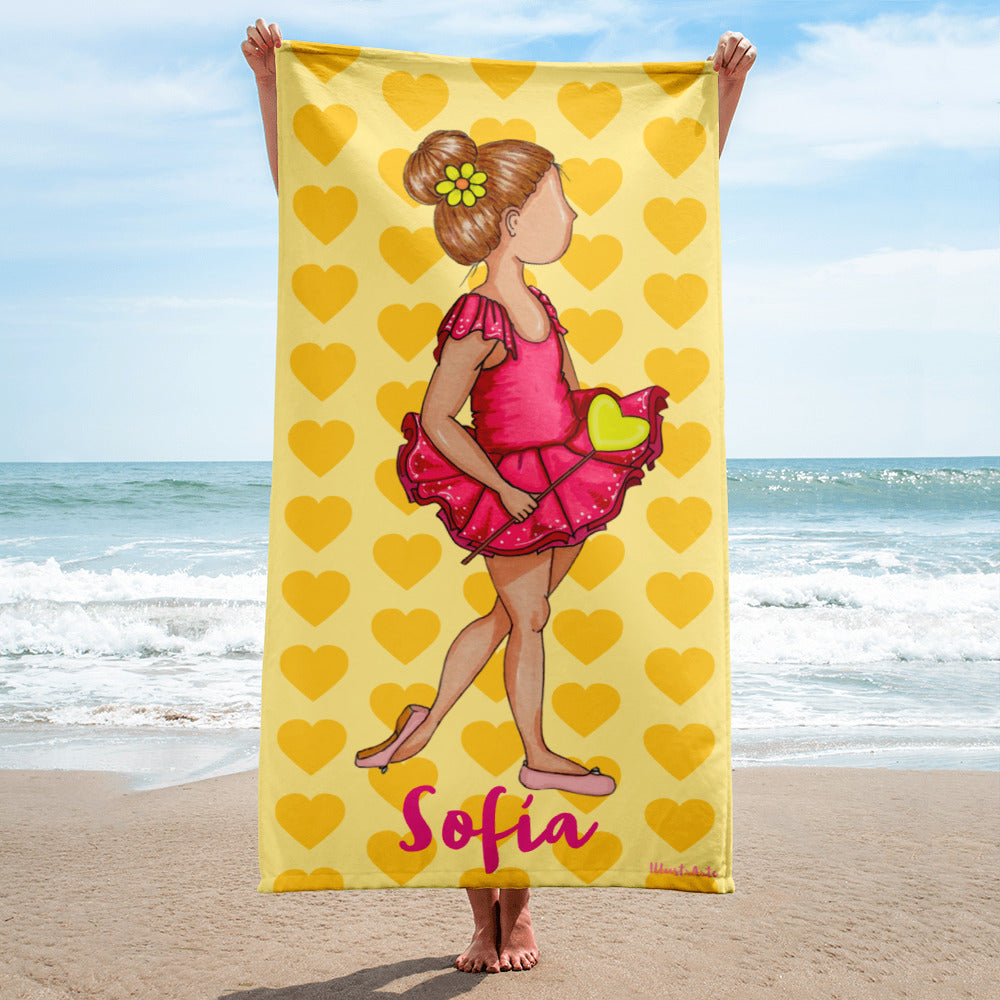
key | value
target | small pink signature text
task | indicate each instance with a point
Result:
(459, 827)
(706, 871)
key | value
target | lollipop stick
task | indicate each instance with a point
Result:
(548, 489)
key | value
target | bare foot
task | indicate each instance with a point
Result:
(481, 955)
(518, 950)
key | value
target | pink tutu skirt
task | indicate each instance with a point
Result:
(585, 502)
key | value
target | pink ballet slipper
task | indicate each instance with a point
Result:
(593, 783)
(379, 756)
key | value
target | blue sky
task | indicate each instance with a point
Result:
(138, 249)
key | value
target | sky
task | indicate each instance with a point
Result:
(860, 189)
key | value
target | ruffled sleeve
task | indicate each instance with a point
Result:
(549, 308)
(476, 313)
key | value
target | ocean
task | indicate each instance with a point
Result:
(865, 603)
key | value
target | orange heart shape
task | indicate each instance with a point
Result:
(502, 77)
(322, 370)
(326, 64)
(324, 131)
(494, 748)
(401, 866)
(493, 130)
(410, 253)
(679, 752)
(587, 636)
(324, 293)
(591, 261)
(317, 522)
(592, 335)
(680, 599)
(683, 447)
(680, 525)
(320, 448)
(326, 214)
(589, 862)
(309, 821)
(296, 880)
(584, 709)
(394, 400)
(405, 636)
(400, 779)
(502, 878)
(591, 186)
(679, 372)
(388, 700)
(674, 78)
(479, 593)
(601, 556)
(675, 145)
(681, 825)
(680, 675)
(390, 487)
(311, 746)
(313, 672)
(417, 100)
(409, 331)
(675, 300)
(589, 109)
(406, 560)
(675, 224)
(390, 168)
(315, 598)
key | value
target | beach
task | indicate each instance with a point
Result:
(850, 883)
(865, 753)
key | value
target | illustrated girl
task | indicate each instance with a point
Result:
(524, 486)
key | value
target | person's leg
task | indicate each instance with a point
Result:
(468, 654)
(482, 953)
(522, 582)
(518, 950)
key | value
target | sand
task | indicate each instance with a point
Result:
(866, 883)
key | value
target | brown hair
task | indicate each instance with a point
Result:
(513, 169)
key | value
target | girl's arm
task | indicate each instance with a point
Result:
(733, 58)
(449, 388)
(259, 52)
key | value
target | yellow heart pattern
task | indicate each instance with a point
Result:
(313, 672)
(363, 287)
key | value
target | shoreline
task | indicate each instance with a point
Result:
(155, 757)
(850, 882)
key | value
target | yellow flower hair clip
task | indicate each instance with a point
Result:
(463, 184)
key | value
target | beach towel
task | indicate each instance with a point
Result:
(497, 518)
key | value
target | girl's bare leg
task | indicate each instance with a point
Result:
(468, 654)
(518, 950)
(482, 955)
(522, 583)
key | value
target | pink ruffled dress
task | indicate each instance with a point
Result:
(533, 427)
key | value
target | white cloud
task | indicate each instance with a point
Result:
(855, 92)
(941, 290)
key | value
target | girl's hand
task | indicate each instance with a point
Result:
(259, 48)
(734, 55)
(518, 503)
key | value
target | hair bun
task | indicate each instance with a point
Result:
(425, 167)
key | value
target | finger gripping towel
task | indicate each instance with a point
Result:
(496, 641)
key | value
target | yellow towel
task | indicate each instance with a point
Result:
(367, 589)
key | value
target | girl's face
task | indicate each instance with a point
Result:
(541, 231)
